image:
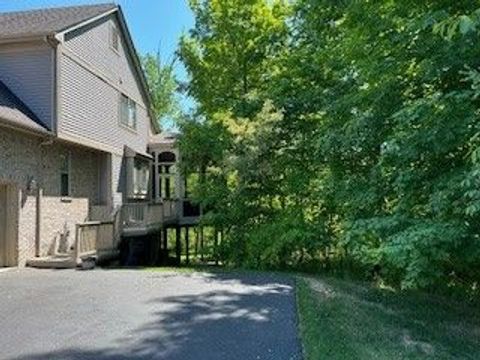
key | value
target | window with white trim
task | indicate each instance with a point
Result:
(166, 175)
(128, 112)
(65, 166)
(141, 177)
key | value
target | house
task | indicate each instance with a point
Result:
(75, 134)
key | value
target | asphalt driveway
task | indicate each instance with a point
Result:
(138, 314)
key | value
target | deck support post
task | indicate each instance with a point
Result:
(187, 245)
(201, 244)
(216, 245)
(178, 245)
(158, 239)
(197, 240)
(38, 221)
(165, 240)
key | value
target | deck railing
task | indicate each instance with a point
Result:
(94, 237)
(139, 219)
(102, 238)
(142, 217)
(170, 209)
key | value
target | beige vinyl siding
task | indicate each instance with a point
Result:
(94, 46)
(90, 112)
(92, 77)
(28, 71)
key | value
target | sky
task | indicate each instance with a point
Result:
(154, 24)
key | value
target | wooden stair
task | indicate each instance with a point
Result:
(58, 261)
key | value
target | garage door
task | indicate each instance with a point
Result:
(7, 236)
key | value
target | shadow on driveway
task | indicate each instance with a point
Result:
(216, 316)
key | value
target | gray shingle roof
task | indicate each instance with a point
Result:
(165, 137)
(14, 112)
(47, 21)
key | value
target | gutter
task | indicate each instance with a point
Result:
(32, 131)
(23, 39)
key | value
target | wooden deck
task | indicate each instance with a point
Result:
(93, 239)
(101, 239)
(141, 219)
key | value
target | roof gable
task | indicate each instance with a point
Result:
(61, 20)
(131, 52)
(137, 65)
(43, 22)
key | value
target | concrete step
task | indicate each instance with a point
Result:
(53, 262)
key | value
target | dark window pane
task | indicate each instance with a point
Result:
(166, 157)
(190, 209)
(123, 110)
(167, 188)
(154, 184)
(64, 187)
(160, 191)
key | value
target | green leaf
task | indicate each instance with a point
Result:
(466, 25)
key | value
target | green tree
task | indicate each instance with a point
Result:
(163, 87)
(228, 52)
(351, 135)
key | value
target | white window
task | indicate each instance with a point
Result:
(65, 165)
(141, 176)
(128, 112)
(114, 38)
(166, 175)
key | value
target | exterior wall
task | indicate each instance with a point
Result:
(28, 70)
(118, 179)
(90, 112)
(59, 216)
(92, 44)
(19, 162)
(92, 77)
(22, 158)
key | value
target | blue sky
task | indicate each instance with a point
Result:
(154, 24)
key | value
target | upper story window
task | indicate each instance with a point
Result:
(166, 175)
(65, 167)
(114, 38)
(128, 112)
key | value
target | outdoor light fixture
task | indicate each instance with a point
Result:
(31, 185)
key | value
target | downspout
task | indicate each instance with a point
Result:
(39, 196)
(38, 229)
(49, 141)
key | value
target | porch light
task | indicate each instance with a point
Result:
(32, 185)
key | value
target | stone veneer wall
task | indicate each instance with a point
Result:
(23, 157)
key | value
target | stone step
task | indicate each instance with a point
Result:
(53, 262)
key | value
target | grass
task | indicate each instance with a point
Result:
(345, 319)
(341, 319)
